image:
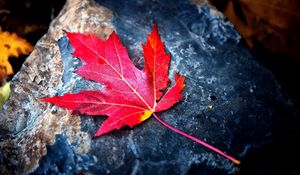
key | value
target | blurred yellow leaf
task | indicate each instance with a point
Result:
(4, 93)
(11, 45)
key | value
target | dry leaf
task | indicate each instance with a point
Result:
(11, 45)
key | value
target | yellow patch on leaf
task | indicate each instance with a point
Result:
(146, 115)
(11, 45)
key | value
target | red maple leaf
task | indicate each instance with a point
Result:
(131, 95)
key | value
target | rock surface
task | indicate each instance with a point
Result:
(230, 100)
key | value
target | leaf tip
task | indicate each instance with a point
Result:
(95, 136)
(179, 79)
(69, 34)
(98, 134)
(101, 131)
(155, 29)
(49, 99)
(113, 34)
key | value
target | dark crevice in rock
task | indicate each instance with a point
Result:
(61, 159)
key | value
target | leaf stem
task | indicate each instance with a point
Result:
(196, 140)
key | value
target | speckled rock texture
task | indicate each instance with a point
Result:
(231, 101)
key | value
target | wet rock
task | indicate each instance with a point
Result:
(230, 99)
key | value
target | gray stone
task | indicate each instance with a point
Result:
(230, 99)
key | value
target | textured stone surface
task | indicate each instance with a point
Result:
(26, 124)
(219, 70)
